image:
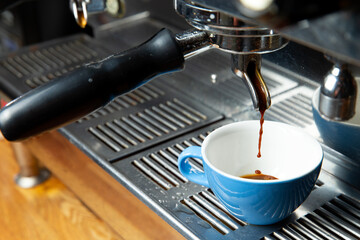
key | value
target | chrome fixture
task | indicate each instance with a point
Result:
(338, 94)
(81, 9)
(246, 42)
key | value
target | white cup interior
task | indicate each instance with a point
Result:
(287, 152)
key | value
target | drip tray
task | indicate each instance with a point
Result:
(140, 119)
(33, 66)
(332, 209)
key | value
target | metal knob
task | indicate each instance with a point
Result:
(338, 94)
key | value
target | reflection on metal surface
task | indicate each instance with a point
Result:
(331, 28)
(193, 42)
(80, 12)
(294, 109)
(113, 135)
(83, 8)
(36, 65)
(138, 96)
(228, 33)
(338, 218)
(206, 206)
(340, 135)
(32, 181)
(337, 100)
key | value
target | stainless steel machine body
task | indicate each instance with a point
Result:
(330, 27)
(138, 136)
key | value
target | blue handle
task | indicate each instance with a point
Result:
(187, 170)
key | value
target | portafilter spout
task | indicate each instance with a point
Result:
(246, 42)
(247, 67)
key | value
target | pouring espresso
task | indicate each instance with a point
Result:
(247, 67)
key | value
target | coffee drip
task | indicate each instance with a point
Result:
(262, 94)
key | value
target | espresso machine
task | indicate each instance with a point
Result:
(297, 61)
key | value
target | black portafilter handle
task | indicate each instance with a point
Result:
(89, 87)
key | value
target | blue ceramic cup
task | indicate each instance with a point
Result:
(288, 153)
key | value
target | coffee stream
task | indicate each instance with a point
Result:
(262, 112)
(262, 95)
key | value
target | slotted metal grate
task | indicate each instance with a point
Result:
(138, 96)
(36, 65)
(199, 210)
(208, 208)
(341, 165)
(294, 110)
(146, 125)
(340, 159)
(161, 166)
(155, 173)
(336, 219)
(65, 57)
(132, 129)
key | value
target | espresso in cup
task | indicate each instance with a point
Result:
(258, 175)
(229, 155)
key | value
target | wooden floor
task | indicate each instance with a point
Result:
(49, 211)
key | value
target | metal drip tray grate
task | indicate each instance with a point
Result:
(336, 219)
(205, 205)
(33, 66)
(116, 134)
(208, 208)
(141, 95)
(161, 167)
(154, 174)
(294, 108)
